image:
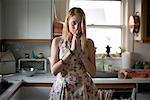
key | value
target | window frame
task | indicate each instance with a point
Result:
(122, 26)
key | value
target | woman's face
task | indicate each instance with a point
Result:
(75, 24)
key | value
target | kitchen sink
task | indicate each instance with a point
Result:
(105, 74)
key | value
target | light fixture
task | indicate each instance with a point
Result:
(134, 23)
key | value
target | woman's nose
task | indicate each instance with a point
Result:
(77, 27)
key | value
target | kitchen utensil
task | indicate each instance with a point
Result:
(28, 71)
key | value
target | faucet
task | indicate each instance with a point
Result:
(3, 81)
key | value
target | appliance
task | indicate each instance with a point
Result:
(39, 64)
(4, 84)
(7, 63)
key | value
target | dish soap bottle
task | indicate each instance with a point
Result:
(33, 54)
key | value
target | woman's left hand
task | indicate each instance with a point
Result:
(78, 45)
(76, 42)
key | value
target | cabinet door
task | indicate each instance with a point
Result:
(1, 16)
(31, 93)
(146, 19)
(39, 19)
(143, 9)
(28, 19)
(15, 19)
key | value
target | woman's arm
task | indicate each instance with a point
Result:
(88, 58)
(57, 64)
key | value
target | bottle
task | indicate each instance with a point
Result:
(110, 68)
(33, 54)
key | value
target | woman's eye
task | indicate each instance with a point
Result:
(73, 23)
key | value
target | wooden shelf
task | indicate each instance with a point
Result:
(28, 40)
(116, 86)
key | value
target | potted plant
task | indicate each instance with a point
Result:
(122, 50)
(102, 60)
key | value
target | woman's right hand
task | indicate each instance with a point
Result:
(76, 43)
(73, 43)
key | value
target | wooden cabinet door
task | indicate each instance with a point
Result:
(31, 93)
(142, 7)
(146, 20)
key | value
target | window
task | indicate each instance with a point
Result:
(104, 22)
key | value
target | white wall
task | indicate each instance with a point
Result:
(141, 49)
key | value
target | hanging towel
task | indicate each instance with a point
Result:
(105, 94)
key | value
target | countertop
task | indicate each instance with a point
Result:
(17, 80)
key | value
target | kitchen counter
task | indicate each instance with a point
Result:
(49, 78)
(18, 79)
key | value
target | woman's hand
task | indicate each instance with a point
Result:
(76, 42)
(73, 44)
(78, 45)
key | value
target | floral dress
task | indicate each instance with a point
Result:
(73, 83)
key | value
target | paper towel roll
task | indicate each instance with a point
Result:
(126, 60)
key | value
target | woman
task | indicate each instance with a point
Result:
(73, 61)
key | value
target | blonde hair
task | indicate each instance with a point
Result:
(66, 34)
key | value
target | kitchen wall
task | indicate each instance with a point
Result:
(21, 17)
(141, 50)
(19, 50)
(43, 18)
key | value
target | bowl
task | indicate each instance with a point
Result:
(28, 71)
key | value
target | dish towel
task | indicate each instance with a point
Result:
(105, 94)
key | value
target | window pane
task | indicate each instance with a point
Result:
(105, 36)
(101, 12)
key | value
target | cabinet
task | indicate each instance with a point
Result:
(28, 19)
(143, 91)
(1, 20)
(31, 93)
(143, 9)
(15, 19)
(39, 23)
(121, 91)
(40, 91)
